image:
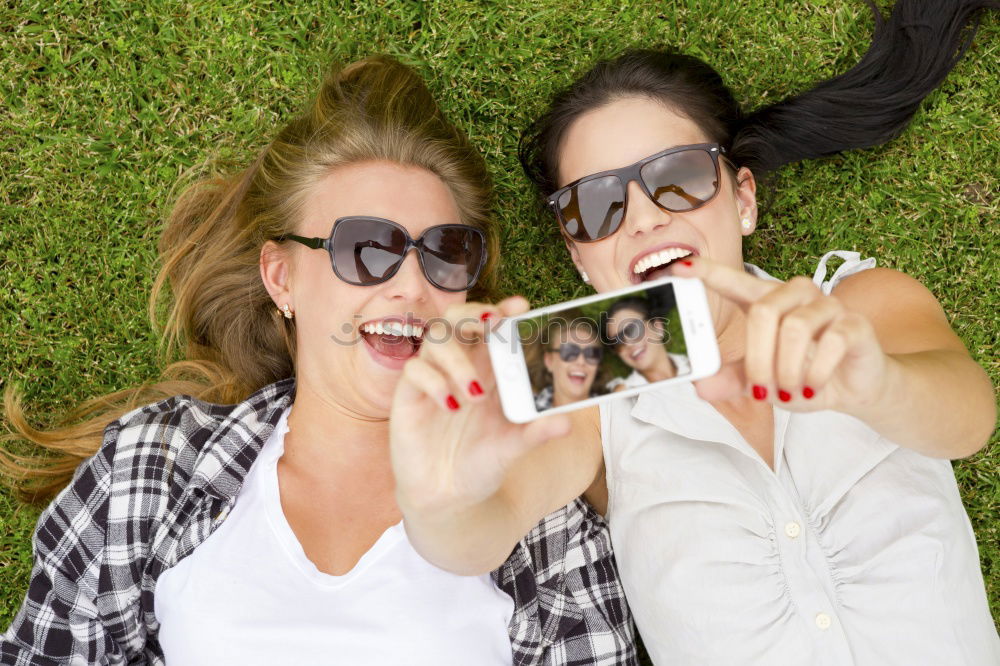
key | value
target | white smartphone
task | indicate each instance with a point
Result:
(616, 344)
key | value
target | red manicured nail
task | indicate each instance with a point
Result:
(485, 316)
(759, 392)
(475, 388)
(686, 262)
(784, 396)
(808, 393)
(451, 402)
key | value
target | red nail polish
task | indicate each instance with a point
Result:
(475, 388)
(808, 393)
(686, 262)
(784, 396)
(451, 402)
(485, 316)
(759, 392)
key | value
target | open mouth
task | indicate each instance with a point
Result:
(578, 377)
(637, 353)
(657, 264)
(396, 340)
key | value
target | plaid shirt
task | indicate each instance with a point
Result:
(167, 476)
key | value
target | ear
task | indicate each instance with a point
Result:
(746, 200)
(275, 272)
(547, 360)
(573, 253)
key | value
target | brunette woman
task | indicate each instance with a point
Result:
(799, 507)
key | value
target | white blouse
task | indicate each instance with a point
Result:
(853, 550)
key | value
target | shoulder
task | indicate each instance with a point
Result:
(905, 314)
(152, 453)
(884, 292)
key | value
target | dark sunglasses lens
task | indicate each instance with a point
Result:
(630, 332)
(452, 256)
(592, 209)
(569, 351)
(365, 252)
(593, 355)
(681, 181)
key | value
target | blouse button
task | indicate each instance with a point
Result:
(792, 529)
(823, 621)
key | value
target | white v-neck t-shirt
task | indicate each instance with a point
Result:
(851, 551)
(250, 596)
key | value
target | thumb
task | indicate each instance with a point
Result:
(536, 433)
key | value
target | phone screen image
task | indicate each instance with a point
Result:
(604, 346)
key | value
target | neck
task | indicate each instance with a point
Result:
(559, 398)
(325, 435)
(731, 332)
(662, 367)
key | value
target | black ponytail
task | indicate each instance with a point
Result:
(910, 54)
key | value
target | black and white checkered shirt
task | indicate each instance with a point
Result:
(167, 476)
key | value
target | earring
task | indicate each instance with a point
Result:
(745, 223)
(584, 276)
(288, 313)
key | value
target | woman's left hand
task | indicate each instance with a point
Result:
(802, 349)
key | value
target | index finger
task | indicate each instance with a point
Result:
(738, 286)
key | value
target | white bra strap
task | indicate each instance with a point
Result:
(852, 264)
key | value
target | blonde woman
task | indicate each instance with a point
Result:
(249, 516)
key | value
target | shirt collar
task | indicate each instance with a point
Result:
(237, 437)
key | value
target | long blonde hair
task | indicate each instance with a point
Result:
(235, 341)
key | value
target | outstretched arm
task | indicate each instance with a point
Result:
(878, 348)
(471, 484)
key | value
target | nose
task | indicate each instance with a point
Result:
(643, 216)
(409, 282)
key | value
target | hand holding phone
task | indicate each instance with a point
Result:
(451, 443)
(575, 354)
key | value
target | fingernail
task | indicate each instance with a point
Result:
(686, 262)
(485, 316)
(475, 388)
(451, 402)
(808, 393)
(784, 396)
(759, 392)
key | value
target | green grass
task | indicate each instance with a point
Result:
(108, 103)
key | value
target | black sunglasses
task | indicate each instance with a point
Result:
(628, 333)
(569, 351)
(678, 180)
(366, 251)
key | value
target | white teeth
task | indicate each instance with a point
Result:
(659, 258)
(393, 328)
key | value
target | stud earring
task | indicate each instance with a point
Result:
(745, 223)
(288, 313)
(584, 276)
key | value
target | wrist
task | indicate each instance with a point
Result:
(882, 398)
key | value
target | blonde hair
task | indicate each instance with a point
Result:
(235, 341)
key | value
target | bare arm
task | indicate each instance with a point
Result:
(471, 484)
(879, 348)
(936, 398)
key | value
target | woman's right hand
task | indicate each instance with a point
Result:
(451, 444)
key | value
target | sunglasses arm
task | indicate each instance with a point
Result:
(314, 243)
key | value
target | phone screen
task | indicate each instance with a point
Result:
(604, 346)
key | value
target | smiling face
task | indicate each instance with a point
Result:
(640, 352)
(621, 133)
(359, 369)
(571, 380)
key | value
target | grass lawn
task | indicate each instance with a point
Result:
(108, 103)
